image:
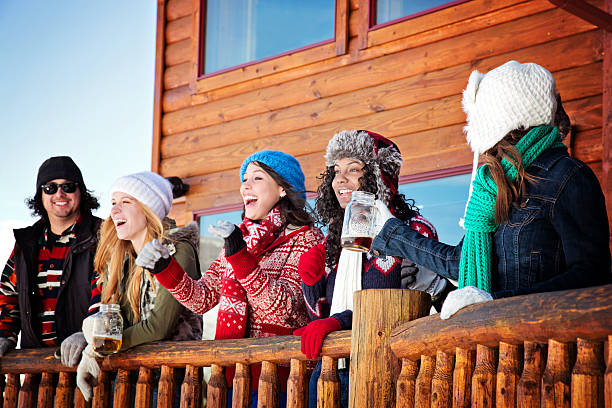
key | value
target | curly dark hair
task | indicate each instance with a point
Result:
(331, 213)
(88, 203)
(292, 206)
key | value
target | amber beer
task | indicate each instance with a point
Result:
(361, 244)
(358, 222)
(106, 345)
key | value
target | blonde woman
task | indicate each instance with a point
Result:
(140, 203)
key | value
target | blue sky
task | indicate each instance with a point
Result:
(77, 80)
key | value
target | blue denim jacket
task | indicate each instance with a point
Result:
(556, 238)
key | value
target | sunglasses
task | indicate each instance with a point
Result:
(51, 188)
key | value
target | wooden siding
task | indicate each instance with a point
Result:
(403, 80)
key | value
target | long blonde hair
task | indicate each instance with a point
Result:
(110, 257)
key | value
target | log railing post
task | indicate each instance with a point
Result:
(508, 373)
(442, 382)
(530, 384)
(483, 380)
(556, 379)
(64, 394)
(46, 390)
(297, 385)
(268, 394)
(608, 375)
(587, 376)
(144, 388)
(241, 393)
(11, 391)
(462, 377)
(166, 390)
(328, 386)
(102, 392)
(121, 397)
(29, 391)
(406, 383)
(216, 395)
(422, 395)
(374, 367)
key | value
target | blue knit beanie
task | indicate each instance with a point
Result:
(283, 164)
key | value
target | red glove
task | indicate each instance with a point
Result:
(314, 333)
(311, 266)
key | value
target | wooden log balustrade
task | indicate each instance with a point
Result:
(548, 350)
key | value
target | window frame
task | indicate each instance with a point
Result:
(340, 40)
(372, 14)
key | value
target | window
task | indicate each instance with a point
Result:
(442, 201)
(237, 32)
(210, 245)
(388, 10)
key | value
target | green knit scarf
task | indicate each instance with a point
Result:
(475, 265)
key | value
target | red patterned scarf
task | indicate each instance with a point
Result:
(232, 319)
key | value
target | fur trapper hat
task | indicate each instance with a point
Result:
(372, 149)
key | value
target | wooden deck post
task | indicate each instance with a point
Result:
(557, 376)
(374, 368)
(587, 376)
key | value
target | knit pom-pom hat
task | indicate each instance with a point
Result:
(283, 164)
(511, 96)
(380, 153)
(149, 188)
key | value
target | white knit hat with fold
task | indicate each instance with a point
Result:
(149, 188)
(511, 96)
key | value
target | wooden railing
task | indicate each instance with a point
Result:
(538, 350)
(528, 351)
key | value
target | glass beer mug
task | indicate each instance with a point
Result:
(358, 225)
(107, 329)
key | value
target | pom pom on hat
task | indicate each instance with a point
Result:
(283, 164)
(511, 96)
(151, 189)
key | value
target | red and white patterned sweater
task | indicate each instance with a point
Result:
(275, 300)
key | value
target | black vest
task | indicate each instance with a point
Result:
(75, 290)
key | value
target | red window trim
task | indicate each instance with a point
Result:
(202, 40)
(372, 14)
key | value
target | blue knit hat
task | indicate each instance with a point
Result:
(283, 164)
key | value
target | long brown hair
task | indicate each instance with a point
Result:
(508, 191)
(110, 256)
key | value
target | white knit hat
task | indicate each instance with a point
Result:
(149, 188)
(511, 96)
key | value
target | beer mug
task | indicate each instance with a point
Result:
(359, 219)
(107, 329)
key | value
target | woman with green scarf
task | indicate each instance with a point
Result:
(536, 218)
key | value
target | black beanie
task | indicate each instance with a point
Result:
(61, 167)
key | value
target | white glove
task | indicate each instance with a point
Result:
(151, 253)
(88, 328)
(223, 229)
(88, 372)
(460, 298)
(71, 349)
(5, 345)
(382, 215)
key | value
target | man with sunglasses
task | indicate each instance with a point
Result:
(45, 285)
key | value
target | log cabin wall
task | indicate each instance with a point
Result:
(403, 80)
